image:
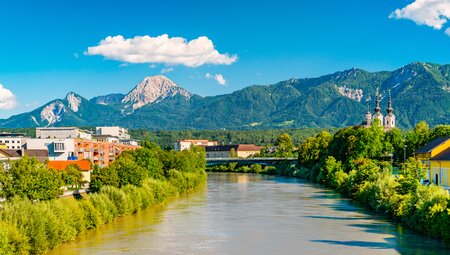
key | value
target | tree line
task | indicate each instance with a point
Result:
(35, 219)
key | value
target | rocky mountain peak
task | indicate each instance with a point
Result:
(73, 100)
(153, 89)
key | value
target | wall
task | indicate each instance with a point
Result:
(48, 144)
(442, 169)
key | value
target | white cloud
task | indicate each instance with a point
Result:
(7, 99)
(433, 13)
(167, 70)
(75, 55)
(218, 77)
(152, 66)
(161, 49)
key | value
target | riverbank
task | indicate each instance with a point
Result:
(36, 219)
(28, 227)
(237, 213)
(424, 210)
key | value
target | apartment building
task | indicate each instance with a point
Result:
(12, 141)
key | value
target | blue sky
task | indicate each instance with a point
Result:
(44, 44)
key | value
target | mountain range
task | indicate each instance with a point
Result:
(420, 91)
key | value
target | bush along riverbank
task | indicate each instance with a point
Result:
(136, 180)
(352, 163)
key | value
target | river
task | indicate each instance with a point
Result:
(253, 214)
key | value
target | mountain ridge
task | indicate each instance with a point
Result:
(420, 91)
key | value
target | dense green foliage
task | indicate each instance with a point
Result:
(33, 225)
(28, 178)
(167, 138)
(419, 92)
(354, 163)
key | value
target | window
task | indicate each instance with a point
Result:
(60, 147)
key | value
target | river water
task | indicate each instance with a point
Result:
(253, 214)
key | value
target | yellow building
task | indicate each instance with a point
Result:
(436, 157)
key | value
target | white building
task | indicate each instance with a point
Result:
(120, 132)
(12, 140)
(58, 149)
(187, 143)
(389, 119)
(62, 133)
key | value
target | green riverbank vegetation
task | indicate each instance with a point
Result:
(34, 219)
(356, 162)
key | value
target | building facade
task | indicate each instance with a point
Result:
(435, 156)
(62, 133)
(12, 141)
(185, 144)
(119, 132)
(232, 151)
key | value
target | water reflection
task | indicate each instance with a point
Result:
(253, 214)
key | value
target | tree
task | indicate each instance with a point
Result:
(73, 177)
(103, 177)
(284, 145)
(410, 175)
(29, 178)
(128, 170)
(313, 149)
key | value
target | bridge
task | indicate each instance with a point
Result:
(251, 161)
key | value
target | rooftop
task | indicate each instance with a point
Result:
(433, 144)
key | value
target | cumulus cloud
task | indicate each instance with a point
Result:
(166, 70)
(447, 31)
(161, 49)
(432, 13)
(7, 99)
(218, 77)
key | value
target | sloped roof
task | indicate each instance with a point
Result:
(36, 153)
(444, 155)
(10, 153)
(433, 144)
(85, 165)
(248, 147)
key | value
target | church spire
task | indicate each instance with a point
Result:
(377, 103)
(390, 109)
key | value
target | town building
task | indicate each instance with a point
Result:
(435, 156)
(13, 141)
(387, 121)
(119, 132)
(232, 151)
(185, 144)
(84, 165)
(62, 133)
(74, 149)
(9, 154)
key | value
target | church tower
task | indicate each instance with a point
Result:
(389, 119)
(367, 118)
(377, 114)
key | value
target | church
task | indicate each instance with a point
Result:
(388, 121)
